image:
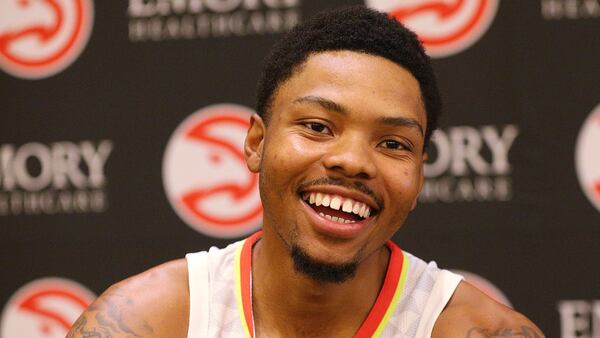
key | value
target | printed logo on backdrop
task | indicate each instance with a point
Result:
(587, 157)
(469, 164)
(44, 308)
(158, 20)
(205, 174)
(579, 318)
(39, 38)
(56, 178)
(570, 9)
(485, 286)
(445, 27)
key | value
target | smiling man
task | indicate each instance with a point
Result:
(346, 106)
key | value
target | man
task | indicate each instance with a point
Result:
(346, 106)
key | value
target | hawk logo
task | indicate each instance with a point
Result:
(446, 27)
(39, 38)
(45, 308)
(587, 160)
(205, 175)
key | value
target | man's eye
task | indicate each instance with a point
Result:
(392, 144)
(318, 127)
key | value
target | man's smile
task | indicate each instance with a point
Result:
(337, 208)
(338, 212)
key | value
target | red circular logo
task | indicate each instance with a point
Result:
(44, 308)
(39, 38)
(587, 157)
(485, 286)
(445, 27)
(205, 175)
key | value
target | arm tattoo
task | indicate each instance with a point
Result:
(109, 320)
(524, 332)
(77, 326)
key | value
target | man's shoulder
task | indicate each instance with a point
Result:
(154, 303)
(471, 313)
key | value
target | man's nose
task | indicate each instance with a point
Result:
(351, 156)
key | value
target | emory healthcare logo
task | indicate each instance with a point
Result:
(44, 308)
(62, 177)
(39, 38)
(162, 20)
(587, 157)
(579, 318)
(446, 27)
(470, 164)
(205, 175)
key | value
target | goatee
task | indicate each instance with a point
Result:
(321, 271)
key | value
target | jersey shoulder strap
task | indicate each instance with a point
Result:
(199, 287)
(213, 303)
(444, 287)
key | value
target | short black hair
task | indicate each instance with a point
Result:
(354, 28)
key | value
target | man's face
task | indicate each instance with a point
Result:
(346, 132)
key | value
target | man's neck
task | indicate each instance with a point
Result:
(288, 303)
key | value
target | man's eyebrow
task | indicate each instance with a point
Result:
(323, 102)
(402, 122)
(336, 107)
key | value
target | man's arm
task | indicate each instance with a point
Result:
(152, 304)
(472, 314)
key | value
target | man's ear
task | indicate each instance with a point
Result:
(421, 179)
(253, 145)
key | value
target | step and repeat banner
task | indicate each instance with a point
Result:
(122, 123)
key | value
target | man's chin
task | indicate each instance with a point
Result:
(322, 271)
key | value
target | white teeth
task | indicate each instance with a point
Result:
(356, 208)
(347, 205)
(336, 202)
(326, 200)
(335, 219)
(361, 212)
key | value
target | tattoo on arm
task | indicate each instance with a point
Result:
(523, 332)
(110, 321)
(77, 327)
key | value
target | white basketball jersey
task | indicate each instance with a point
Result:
(413, 294)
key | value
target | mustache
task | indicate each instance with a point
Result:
(352, 185)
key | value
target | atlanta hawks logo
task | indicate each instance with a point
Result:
(45, 308)
(205, 174)
(445, 27)
(587, 157)
(39, 38)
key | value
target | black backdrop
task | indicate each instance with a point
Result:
(83, 196)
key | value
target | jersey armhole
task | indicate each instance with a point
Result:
(199, 288)
(443, 289)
